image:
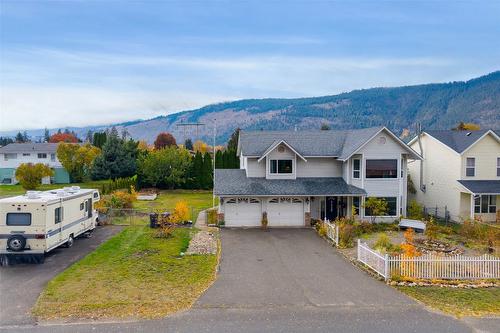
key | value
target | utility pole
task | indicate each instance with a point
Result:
(213, 160)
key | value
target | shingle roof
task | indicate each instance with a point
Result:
(235, 182)
(29, 147)
(333, 143)
(458, 140)
(482, 186)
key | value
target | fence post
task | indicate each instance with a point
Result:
(336, 235)
(359, 245)
(386, 267)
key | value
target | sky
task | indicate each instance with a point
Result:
(78, 63)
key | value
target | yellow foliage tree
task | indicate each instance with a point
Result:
(200, 146)
(30, 175)
(77, 159)
(181, 212)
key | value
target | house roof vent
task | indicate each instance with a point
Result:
(61, 193)
(468, 134)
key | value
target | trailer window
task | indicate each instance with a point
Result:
(58, 215)
(81, 206)
(18, 218)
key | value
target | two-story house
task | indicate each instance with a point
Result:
(14, 154)
(460, 170)
(294, 176)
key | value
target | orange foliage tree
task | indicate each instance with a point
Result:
(63, 137)
(164, 139)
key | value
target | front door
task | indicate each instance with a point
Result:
(331, 211)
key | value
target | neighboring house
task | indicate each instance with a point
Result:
(12, 155)
(294, 176)
(461, 171)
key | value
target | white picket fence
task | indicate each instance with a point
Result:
(332, 232)
(430, 266)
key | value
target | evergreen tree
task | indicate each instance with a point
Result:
(99, 139)
(118, 158)
(197, 174)
(20, 137)
(232, 144)
(188, 144)
(46, 135)
(219, 160)
(207, 172)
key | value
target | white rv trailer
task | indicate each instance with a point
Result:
(38, 222)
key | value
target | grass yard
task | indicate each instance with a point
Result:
(166, 200)
(456, 301)
(12, 190)
(133, 275)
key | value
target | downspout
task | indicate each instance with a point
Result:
(419, 134)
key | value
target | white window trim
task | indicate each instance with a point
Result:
(358, 170)
(498, 166)
(489, 205)
(277, 166)
(468, 167)
(382, 216)
(380, 179)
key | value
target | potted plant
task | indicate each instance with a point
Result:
(264, 221)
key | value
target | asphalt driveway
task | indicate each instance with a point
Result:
(20, 284)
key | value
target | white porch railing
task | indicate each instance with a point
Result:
(332, 232)
(430, 266)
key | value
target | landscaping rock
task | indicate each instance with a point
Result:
(204, 242)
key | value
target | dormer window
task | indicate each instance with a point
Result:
(280, 166)
(470, 167)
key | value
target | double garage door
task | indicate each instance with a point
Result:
(247, 212)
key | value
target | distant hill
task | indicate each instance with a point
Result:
(437, 106)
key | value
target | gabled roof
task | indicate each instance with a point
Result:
(332, 143)
(277, 143)
(481, 186)
(31, 147)
(235, 182)
(459, 141)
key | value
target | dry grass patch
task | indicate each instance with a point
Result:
(133, 275)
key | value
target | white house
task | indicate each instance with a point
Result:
(14, 154)
(459, 170)
(294, 176)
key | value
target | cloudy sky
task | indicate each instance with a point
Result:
(75, 63)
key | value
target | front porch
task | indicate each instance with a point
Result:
(480, 200)
(333, 207)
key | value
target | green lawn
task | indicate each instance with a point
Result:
(11, 190)
(133, 275)
(197, 201)
(457, 301)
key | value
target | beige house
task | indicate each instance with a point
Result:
(460, 170)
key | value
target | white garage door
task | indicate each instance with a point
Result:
(285, 212)
(242, 212)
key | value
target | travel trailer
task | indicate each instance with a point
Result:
(38, 222)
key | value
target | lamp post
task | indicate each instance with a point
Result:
(213, 160)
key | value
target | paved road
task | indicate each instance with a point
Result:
(20, 284)
(287, 281)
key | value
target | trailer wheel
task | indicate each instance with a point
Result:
(16, 243)
(70, 241)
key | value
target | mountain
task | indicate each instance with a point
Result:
(436, 106)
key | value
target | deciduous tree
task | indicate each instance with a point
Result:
(77, 159)
(166, 167)
(164, 139)
(63, 137)
(30, 175)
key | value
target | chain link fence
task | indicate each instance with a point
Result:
(136, 217)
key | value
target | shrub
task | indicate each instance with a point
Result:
(166, 226)
(431, 229)
(211, 216)
(181, 212)
(30, 175)
(347, 232)
(366, 227)
(117, 200)
(408, 248)
(264, 222)
(322, 229)
(383, 243)
(376, 207)
(415, 210)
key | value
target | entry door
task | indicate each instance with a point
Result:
(331, 208)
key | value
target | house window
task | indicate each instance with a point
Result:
(58, 215)
(26, 154)
(470, 167)
(42, 155)
(498, 166)
(281, 166)
(381, 168)
(484, 204)
(356, 203)
(10, 156)
(391, 207)
(18, 219)
(356, 168)
(53, 157)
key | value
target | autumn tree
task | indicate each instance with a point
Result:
(200, 146)
(164, 139)
(30, 175)
(77, 159)
(63, 137)
(467, 127)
